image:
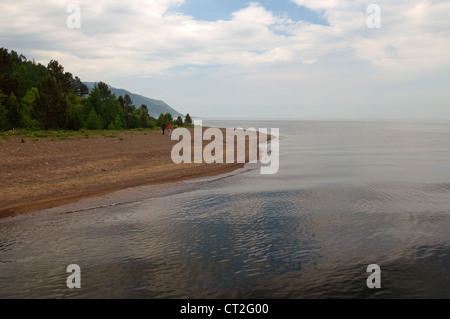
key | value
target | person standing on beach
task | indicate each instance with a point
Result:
(170, 129)
(163, 126)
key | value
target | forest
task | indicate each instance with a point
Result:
(36, 97)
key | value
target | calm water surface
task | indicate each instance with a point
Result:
(347, 195)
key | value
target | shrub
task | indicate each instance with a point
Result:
(92, 121)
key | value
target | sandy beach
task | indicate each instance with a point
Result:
(38, 174)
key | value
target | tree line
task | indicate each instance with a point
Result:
(37, 97)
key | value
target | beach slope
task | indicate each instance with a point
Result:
(37, 174)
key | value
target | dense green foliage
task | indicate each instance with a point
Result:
(188, 120)
(35, 97)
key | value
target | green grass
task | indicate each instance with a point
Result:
(58, 135)
(64, 135)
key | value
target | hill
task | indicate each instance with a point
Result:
(155, 107)
(37, 97)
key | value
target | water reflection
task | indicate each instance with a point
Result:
(339, 203)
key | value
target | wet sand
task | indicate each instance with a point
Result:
(45, 173)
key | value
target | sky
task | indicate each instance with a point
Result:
(290, 59)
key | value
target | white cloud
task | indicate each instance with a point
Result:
(414, 34)
(155, 40)
(144, 39)
(255, 15)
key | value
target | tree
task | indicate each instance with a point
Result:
(179, 121)
(29, 101)
(4, 123)
(134, 120)
(8, 82)
(92, 121)
(169, 117)
(161, 120)
(128, 104)
(151, 122)
(104, 91)
(144, 108)
(55, 68)
(29, 76)
(121, 101)
(14, 114)
(118, 125)
(30, 124)
(64, 79)
(74, 122)
(188, 120)
(52, 107)
(35, 96)
(76, 108)
(80, 88)
(128, 108)
(145, 117)
(112, 109)
(93, 102)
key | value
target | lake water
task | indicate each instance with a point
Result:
(347, 195)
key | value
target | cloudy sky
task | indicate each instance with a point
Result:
(257, 59)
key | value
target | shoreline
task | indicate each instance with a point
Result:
(44, 174)
(44, 203)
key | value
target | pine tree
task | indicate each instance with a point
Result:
(80, 89)
(52, 107)
(179, 121)
(169, 117)
(65, 80)
(104, 91)
(29, 101)
(14, 114)
(134, 120)
(128, 103)
(4, 123)
(188, 120)
(128, 109)
(9, 83)
(121, 101)
(111, 109)
(74, 122)
(145, 117)
(118, 125)
(92, 121)
(93, 102)
(161, 120)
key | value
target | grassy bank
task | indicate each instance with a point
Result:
(52, 135)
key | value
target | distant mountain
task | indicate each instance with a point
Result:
(155, 107)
